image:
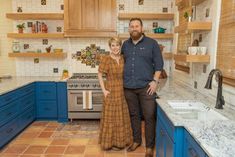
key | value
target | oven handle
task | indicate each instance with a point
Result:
(75, 93)
(81, 92)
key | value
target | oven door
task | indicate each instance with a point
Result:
(75, 100)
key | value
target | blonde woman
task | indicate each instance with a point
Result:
(115, 126)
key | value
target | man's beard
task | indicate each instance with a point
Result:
(135, 35)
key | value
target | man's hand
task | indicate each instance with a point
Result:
(152, 88)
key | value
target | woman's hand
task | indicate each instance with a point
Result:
(106, 92)
(152, 88)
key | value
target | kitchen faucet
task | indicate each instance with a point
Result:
(220, 98)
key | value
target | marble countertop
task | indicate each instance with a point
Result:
(7, 85)
(216, 137)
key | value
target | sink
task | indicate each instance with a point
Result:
(191, 109)
(187, 105)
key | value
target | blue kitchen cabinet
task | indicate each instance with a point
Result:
(169, 139)
(191, 147)
(62, 101)
(13, 108)
(164, 143)
(172, 141)
(46, 103)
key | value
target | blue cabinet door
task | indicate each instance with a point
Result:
(169, 146)
(160, 139)
(46, 90)
(191, 147)
(164, 144)
(62, 101)
(46, 109)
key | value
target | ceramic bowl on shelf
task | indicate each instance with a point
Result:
(193, 50)
(202, 50)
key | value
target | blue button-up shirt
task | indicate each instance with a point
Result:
(141, 62)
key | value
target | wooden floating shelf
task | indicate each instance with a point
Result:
(151, 35)
(34, 16)
(146, 16)
(167, 55)
(35, 54)
(192, 58)
(35, 35)
(194, 27)
(196, 2)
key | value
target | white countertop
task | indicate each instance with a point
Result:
(7, 85)
(216, 137)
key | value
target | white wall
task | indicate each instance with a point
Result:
(7, 65)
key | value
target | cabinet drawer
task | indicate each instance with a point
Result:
(192, 148)
(27, 101)
(26, 89)
(46, 109)
(8, 97)
(166, 123)
(8, 131)
(46, 91)
(27, 117)
(8, 112)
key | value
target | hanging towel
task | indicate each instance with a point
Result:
(90, 100)
(84, 100)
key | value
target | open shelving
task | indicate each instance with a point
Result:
(192, 58)
(147, 16)
(35, 54)
(35, 35)
(192, 27)
(151, 35)
(34, 16)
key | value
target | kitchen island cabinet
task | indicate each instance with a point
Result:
(174, 141)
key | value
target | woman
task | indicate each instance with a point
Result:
(115, 127)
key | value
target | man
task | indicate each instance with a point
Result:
(143, 65)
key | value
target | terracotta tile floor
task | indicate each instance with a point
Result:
(52, 139)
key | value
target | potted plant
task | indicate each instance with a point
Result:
(20, 27)
(187, 16)
(65, 74)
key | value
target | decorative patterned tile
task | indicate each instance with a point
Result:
(43, 2)
(121, 7)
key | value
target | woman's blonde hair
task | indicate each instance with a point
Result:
(115, 40)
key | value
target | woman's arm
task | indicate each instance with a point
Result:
(101, 81)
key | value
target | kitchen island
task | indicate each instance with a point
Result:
(215, 136)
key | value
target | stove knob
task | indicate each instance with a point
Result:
(82, 85)
(94, 85)
(75, 85)
(87, 85)
(71, 86)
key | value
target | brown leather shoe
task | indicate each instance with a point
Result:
(133, 147)
(149, 152)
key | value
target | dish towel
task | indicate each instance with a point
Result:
(90, 100)
(83, 100)
(87, 100)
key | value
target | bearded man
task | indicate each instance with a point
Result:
(142, 68)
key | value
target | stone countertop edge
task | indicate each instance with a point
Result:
(7, 85)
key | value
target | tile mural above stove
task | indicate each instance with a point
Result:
(90, 56)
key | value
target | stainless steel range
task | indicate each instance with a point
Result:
(85, 97)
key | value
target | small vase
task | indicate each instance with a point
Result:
(20, 30)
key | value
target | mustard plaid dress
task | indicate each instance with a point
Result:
(115, 126)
